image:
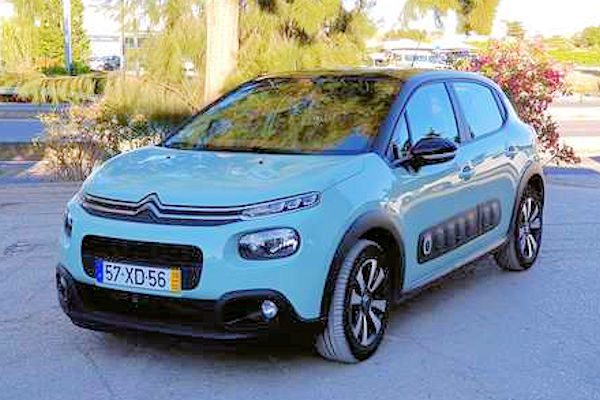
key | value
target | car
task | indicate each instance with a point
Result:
(304, 203)
(105, 63)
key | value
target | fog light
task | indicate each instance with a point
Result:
(269, 309)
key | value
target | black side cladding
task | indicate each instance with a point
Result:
(458, 230)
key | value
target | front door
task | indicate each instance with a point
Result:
(434, 202)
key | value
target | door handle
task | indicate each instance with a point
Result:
(466, 172)
(511, 151)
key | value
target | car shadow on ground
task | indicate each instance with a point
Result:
(428, 300)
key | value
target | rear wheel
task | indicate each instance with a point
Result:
(358, 313)
(525, 238)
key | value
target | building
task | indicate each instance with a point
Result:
(406, 53)
(101, 27)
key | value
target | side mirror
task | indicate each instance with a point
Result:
(433, 150)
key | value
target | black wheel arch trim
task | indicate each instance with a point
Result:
(377, 219)
(531, 171)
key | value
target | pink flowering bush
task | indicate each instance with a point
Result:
(522, 69)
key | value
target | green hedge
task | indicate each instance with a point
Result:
(579, 57)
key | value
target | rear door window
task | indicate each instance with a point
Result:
(479, 106)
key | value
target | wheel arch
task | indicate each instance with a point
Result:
(378, 227)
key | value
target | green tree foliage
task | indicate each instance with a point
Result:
(19, 36)
(288, 35)
(474, 15)
(79, 38)
(33, 37)
(589, 37)
(413, 34)
(51, 46)
(276, 35)
(183, 39)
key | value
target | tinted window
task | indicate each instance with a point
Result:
(479, 107)
(321, 114)
(430, 113)
(401, 139)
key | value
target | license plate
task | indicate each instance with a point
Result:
(138, 276)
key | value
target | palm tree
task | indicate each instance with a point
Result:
(222, 29)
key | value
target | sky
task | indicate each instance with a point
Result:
(546, 17)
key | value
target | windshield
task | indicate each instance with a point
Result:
(322, 115)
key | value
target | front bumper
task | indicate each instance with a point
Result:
(300, 278)
(234, 316)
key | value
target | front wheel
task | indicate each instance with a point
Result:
(525, 237)
(358, 313)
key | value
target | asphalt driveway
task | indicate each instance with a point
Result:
(481, 333)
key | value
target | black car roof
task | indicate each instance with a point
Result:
(391, 73)
(396, 74)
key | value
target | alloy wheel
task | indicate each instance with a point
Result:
(529, 229)
(368, 302)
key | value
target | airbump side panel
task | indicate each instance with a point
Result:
(458, 230)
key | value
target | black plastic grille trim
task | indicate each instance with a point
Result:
(188, 258)
(147, 307)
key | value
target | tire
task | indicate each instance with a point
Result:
(359, 308)
(525, 234)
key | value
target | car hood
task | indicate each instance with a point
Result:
(206, 178)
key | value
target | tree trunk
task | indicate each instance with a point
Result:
(222, 44)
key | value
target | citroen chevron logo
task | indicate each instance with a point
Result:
(150, 203)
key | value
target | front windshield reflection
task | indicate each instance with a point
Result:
(326, 114)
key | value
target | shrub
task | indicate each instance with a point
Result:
(162, 103)
(525, 73)
(79, 138)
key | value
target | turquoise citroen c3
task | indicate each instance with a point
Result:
(314, 199)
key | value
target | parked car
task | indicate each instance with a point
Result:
(105, 63)
(310, 200)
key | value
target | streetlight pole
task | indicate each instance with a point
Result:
(67, 34)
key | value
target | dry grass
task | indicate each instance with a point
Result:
(583, 83)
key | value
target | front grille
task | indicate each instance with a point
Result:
(147, 307)
(151, 210)
(188, 258)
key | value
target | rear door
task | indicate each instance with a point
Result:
(491, 156)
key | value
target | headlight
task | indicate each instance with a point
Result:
(288, 204)
(269, 244)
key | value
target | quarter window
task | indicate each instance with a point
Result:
(479, 107)
(401, 140)
(429, 113)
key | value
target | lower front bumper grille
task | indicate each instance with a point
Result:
(233, 316)
(146, 307)
(187, 258)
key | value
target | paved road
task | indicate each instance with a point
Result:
(19, 122)
(580, 128)
(480, 334)
(19, 130)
